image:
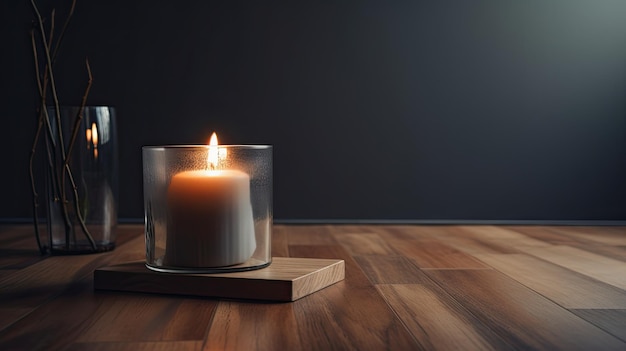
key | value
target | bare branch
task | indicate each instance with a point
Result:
(79, 115)
(33, 151)
(52, 17)
(62, 35)
(66, 165)
(59, 134)
(55, 145)
(51, 75)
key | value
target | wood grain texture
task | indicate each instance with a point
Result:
(18, 249)
(117, 318)
(610, 320)
(406, 287)
(563, 286)
(466, 241)
(390, 270)
(350, 315)
(596, 266)
(503, 236)
(432, 253)
(54, 324)
(311, 235)
(611, 236)
(515, 312)
(286, 279)
(425, 246)
(280, 245)
(184, 345)
(437, 321)
(584, 239)
(246, 326)
(365, 244)
(37, 283)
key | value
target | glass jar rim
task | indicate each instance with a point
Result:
(77, 106)
(191, 146)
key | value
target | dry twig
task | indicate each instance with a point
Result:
(55, 145)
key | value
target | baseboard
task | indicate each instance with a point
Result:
(454, 222)
(396, 221)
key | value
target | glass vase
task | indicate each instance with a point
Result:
(81, 169)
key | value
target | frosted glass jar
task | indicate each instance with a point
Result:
(207, 208)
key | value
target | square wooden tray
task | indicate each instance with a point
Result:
(286, 279)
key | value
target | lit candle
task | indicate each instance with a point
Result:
(94, 138)
(210, 222)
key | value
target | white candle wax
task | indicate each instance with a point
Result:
(210, 222)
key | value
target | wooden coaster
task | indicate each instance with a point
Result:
(286, 279)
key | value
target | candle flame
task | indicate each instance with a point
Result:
(88, 136)
(92, 139)
(213, 157)
(94, 134)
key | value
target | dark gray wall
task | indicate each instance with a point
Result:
(483, 110)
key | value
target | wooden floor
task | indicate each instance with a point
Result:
(406, 288)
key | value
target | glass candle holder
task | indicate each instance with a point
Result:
(208, 209)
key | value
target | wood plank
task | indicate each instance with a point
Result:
(519, 299)
(53, 297)
(172, 319)
(38, 282)
(433, 253)
(437, 321)
(391, 270)
(54, 324)
(10, 315)
(280, 243)
(79, 314)
(563, 286)
(365, 244)
(503, 235)
(436, 247)
(18, 237)
(521, 317)
(128, 232)
(353, 273)
(610, 320)
(602, 268)
(350, 315)
(311, 235)
(580, 241)
(18, 248)
(137, 346)
(561, 235)
(477, 246)
(614, 252)
(544, 234)
(13, 260)
(246, 326)
(43, 280)
(612, 236)
(453, 236)
(337, 319)
(340, 229)
(459, 238)
(286, 279)
(400, 233)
